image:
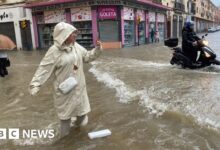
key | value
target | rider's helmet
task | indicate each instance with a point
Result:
(189, 25)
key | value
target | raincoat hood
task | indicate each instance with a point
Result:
(61, 32)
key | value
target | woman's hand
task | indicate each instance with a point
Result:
(99, 44)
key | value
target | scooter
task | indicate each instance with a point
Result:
(205, 56)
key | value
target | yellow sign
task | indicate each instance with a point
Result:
(23, 24)
(138, 19)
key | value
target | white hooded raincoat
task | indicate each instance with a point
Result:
(59, 61)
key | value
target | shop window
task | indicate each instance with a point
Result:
(84, 37)
(161, 30)
(46, 35)
(129, 33)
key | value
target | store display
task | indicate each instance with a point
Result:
(141, 30)
(84, 37)
(46, 35)
(128, 33)
(161, 24)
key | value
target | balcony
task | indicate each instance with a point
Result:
(179, 6)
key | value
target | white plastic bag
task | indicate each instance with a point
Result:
(67, 85)
(98, 134)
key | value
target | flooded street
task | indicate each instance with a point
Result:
(134, 92)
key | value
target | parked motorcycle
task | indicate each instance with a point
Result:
(205, 56)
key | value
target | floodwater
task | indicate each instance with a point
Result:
(134, 92)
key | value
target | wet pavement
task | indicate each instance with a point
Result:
(134, 92)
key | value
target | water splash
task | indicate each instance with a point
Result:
(157, 101)
(127, 94)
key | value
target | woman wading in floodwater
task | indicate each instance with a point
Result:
(64, 60)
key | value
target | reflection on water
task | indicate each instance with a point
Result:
(134, 92)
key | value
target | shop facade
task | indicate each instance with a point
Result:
(174, 24)
(15, 22)
(117, 23)
(202, 25)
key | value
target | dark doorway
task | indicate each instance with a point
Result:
(109, 30)
(26, 35)
(8, 30)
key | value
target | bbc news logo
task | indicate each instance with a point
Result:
(15, 133)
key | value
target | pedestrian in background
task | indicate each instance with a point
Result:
(4, 63)
(152, 34)
(6, 44)
(64, 60)
(157, 39)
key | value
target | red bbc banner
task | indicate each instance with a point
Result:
(107, 12)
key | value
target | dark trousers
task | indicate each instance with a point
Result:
(3, 67)
(152, 39)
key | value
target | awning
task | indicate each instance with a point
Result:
(46, 3)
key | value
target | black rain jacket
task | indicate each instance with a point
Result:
(188, 37)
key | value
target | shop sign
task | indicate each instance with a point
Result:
(4, 16)
(23, 24)
(107, 12)
(160, 18)
(54, 16)
(108, 2)
(152, 17)
(128, 13)
(81, 14)
(141, 15)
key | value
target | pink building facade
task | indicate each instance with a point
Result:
(117, 23)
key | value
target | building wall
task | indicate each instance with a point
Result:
(126, 20)
(206, 16)
(15, 14)
(175, 29)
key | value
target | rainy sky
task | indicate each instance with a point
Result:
(216, 2)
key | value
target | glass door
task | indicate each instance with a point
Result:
(129, 33)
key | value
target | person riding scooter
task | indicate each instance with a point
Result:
(195, 52)
(190, 42)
